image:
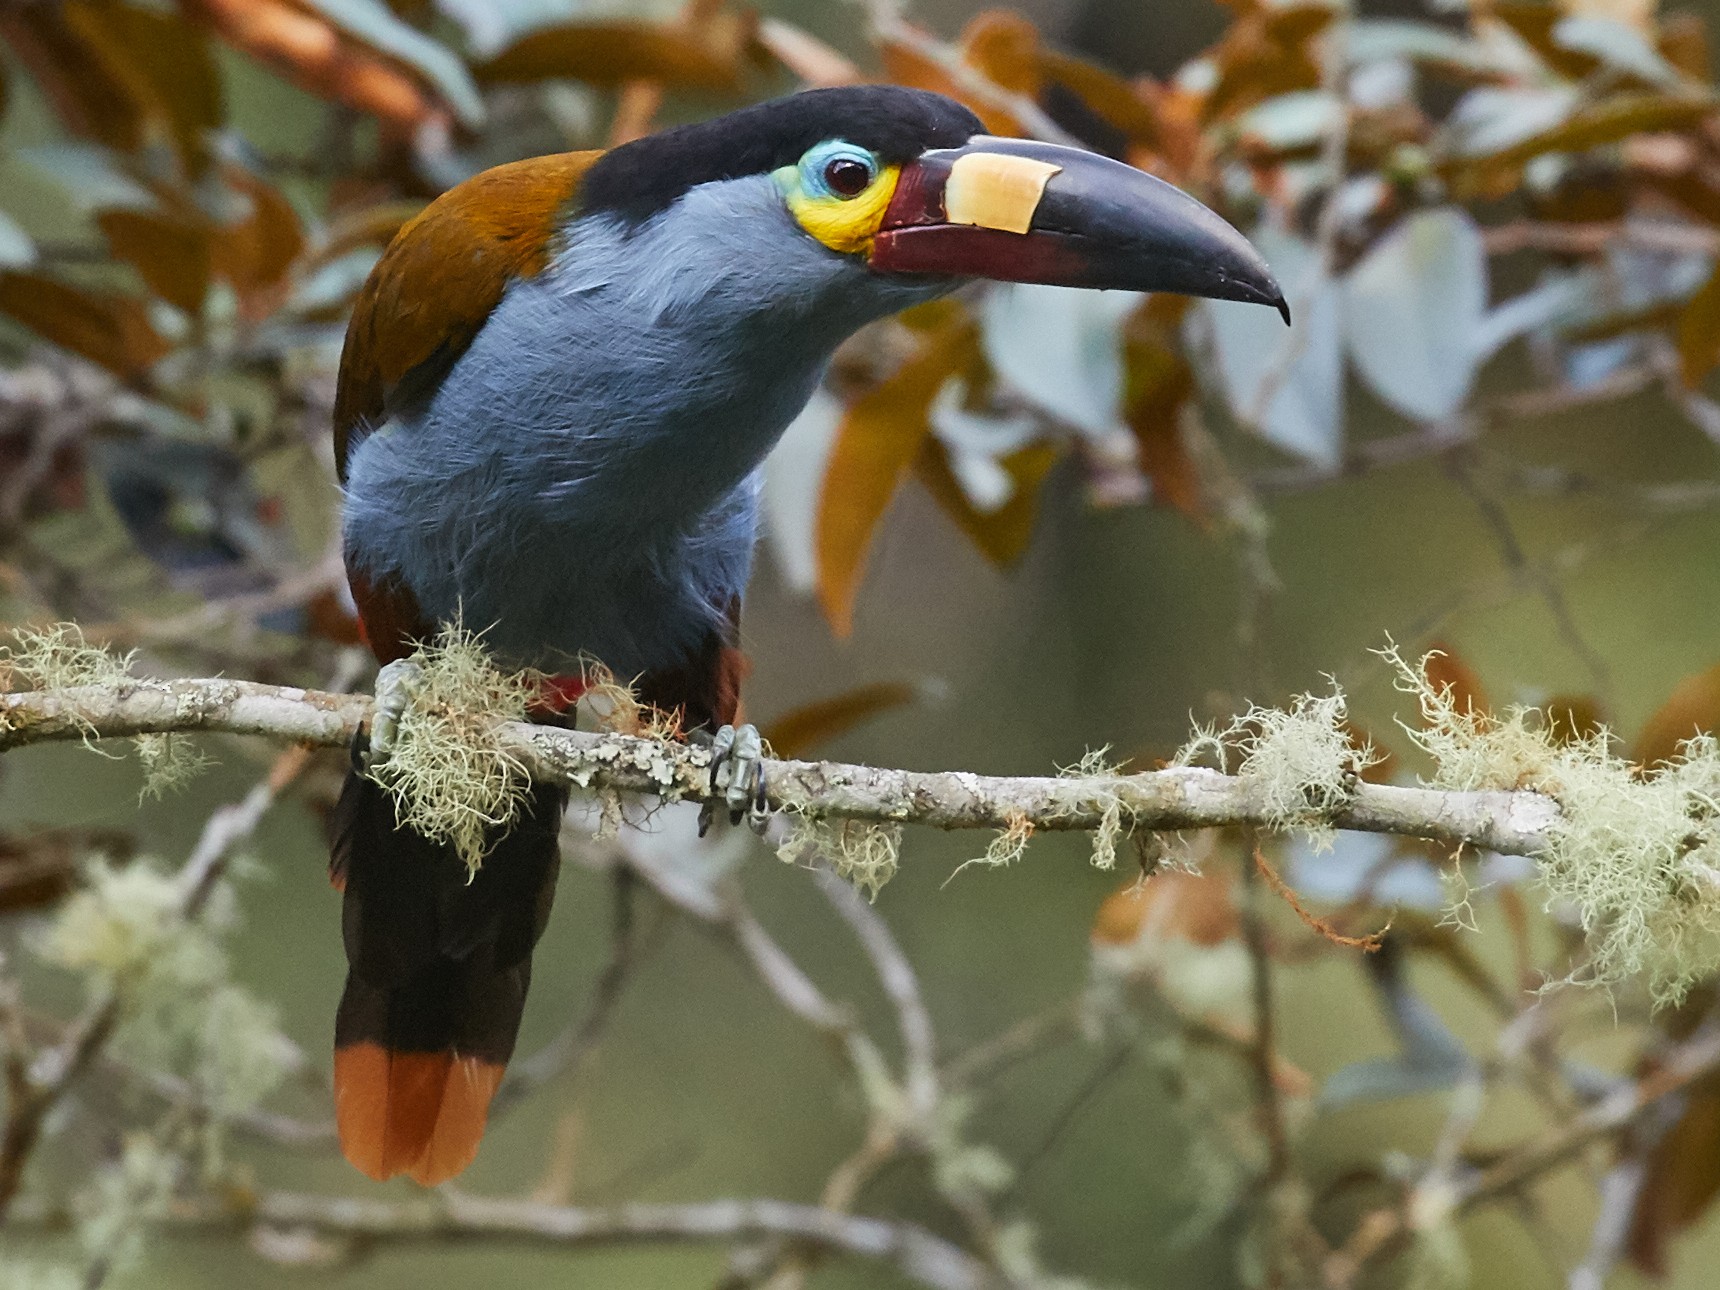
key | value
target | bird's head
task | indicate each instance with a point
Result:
(908, 185)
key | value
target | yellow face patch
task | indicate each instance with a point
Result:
(841, 221)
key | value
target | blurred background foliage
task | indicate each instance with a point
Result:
(1011, 527)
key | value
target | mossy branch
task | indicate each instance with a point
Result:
(1515, 823)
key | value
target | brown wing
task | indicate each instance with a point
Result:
(423, 303)
(442, 276)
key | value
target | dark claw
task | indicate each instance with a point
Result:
(358, 750)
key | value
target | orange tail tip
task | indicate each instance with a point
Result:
(420, 1114)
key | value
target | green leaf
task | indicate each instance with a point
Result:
(1618, 45)
(1413, 309)
(90, 176)
(793, 475)
(1061, 349)
(17, 250)
(1297, 372)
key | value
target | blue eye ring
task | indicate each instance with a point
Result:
(838, 171)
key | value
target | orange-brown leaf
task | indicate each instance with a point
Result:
(171, 254)
(1003, 47)
(906, 65)
(167, 65)
(1681, 1183)
(1170, 905)
(1446, 671)
(1158, 382)
(90, 97)
(256, 253)
(1266, 52)
(875, 447)
(1110, 97)
(1692, 708)
(1605, 122)
(1002, 534)
(106, 328)
(1684, 44)
(609, 53)
(311, 52)
(1699, 333)
(798, 731)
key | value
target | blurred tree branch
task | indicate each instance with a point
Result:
(452, 1216)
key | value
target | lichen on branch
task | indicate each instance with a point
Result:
(1638, 853)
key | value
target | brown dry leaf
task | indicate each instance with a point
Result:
(1002, 534)
(171, 253)
(1699, 333)
(907, 66)
(1632, 13)
(1684, 44)
(1605, 122)
(37, 869)
(1181, 145)
(1003, 47)
(106, 328)
(875, 447)
(255, 254)
(91, 98)
(1384, 768)
(1266, 52)
(1171, 905)
(1446, 670)
(1692, 708)
(1118, 102)
(1533, 23)
(167, 66)
(1682, 1181)
(1157, 383)
(710, 57)
(310, 51)
(798, 731)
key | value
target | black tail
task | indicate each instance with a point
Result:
(437, 971)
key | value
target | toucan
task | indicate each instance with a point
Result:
(557, 389)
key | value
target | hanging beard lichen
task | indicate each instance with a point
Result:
(451, 778)
(59, 658)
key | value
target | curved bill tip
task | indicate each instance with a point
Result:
(1017, 210)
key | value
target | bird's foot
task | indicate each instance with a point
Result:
(397, 685)
(737, 773)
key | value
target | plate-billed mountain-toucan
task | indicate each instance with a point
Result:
(557, 389)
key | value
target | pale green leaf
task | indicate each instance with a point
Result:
(1286, 383)
(1413, 308)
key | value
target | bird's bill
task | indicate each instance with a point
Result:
(1015, 210)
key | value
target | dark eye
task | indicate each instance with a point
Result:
(847, 177)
